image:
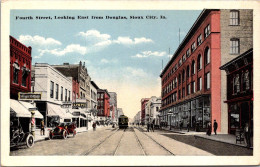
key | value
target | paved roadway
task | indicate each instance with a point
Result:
(110, 141)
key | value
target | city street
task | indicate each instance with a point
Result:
(112, 141)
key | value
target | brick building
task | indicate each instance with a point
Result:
(20, 68)
(191, 81)
(103, 106)
(143, 102)
(239, 91)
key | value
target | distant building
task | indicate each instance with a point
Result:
(143, 102)
(20, 68)
(137, 118)
(152, 108)
(93, 95)
(103, 106)
(113, 106)
(120, 112)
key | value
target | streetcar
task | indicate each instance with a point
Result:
(123, 122)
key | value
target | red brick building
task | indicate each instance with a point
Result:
(143, 102)
(188, 88)
(20, 68)
(75, 89)
(103, 106)
(193, 86)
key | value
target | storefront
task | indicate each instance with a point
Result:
(80, 117)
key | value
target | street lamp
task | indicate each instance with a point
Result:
(170, 113)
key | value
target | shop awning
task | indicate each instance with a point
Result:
(56, 110)
(30, 107)
(20, 109)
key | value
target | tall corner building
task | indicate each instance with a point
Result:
(193, 86)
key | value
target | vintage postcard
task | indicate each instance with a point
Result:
(129, 83)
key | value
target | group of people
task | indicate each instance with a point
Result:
(150, 126)
(215, 127)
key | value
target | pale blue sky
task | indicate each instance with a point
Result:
(124, 56)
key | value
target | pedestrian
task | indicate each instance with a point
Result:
(181, 125)
(215, 125)
(247, 135)
(152, 125)
(209, 128)
(188, 126)
(148, 126)
(94, 126)
(42, 128)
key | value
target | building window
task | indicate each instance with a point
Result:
(183, 58)
(188, 53)
(193, 69)
(188, 72)
(234, 46)
(199, 40)
(245, 77)
(207, 81)
(57, 91)
(234, 18)
(175, 83)
(193, 47)
(24, 77)
(207, 56)
(188, 89)
(61, 93)
(16, 73)
(183, 75)
(66, 94)
(180, 62)
(183, 92)
(199, 61)
(199, 84)
(193, 86)
(69, 96)
(207, 31)
(51, 89)
(236, 86)
(179, 94)
(179, 79)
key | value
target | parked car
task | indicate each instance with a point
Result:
(63, 130)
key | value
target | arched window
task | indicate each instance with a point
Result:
(245, 80)
(183, 75)
(16, 70)
(207, 55)
(193, 69)
(188, 72)
(236, 86)
(175, 83)
(199, 62)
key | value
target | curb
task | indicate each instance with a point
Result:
(222, 142)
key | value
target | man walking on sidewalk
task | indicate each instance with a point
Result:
(215, 127)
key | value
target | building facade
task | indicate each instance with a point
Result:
(56, 93)
(239, 91)
(113, 105)
(82, 80)
(20, 68)
(143, 102)
(152, 108)
(103, 106)
(191, 81)
(93, 95)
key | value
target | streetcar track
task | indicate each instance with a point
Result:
(140, 144)
(96, 146)
(157, 142)
(118, 143)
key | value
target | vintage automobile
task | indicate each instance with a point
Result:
(63, 130)
(19, 133)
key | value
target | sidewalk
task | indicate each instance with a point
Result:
(223, 138)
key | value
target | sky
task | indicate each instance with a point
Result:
(125, 56)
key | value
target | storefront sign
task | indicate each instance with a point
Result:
(79, 105)
(29, 96)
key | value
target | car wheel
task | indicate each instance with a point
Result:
(64, 134)
(29, 141)
(74, 133)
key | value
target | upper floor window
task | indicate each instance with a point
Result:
(25, 77)
(183, 75)
(199, 40)
(234, 46)
(179, 79)
(183, 92)
(236, 86)
(207, 56)
(66, 94)
(180, 62)
(51, 89)
(193, 69)
(61, 93)
(199, 84)
(16, 72)
(207, 81)
(245, 78)
(183, 58)
(188, 53)
(188, 72)
(188, 89)
(193, 47)
(234, 18)
(199, 61)
(193, 87)
(69, 96)
(207, 31)
(57, 91)
(175, 83)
